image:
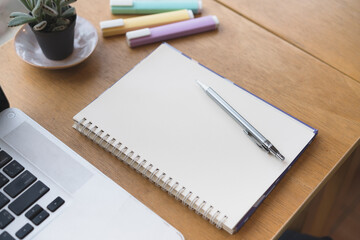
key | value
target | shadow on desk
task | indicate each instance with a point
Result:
(292, 235)
(335, 209)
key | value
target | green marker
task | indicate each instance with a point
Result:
(153, 6)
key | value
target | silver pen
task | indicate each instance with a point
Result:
(259, 139)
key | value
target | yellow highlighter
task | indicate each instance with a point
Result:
(121, 26)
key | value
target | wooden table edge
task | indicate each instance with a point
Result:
(318, 188)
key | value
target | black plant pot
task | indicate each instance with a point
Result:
(57, 45)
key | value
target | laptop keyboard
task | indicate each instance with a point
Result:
(20, 192)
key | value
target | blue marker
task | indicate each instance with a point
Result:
(153, 6)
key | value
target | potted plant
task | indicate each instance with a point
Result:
(53, 23)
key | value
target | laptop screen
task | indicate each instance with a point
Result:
(3, 101)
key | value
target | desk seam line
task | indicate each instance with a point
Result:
(284, 39)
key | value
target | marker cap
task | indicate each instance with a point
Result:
(216, 20)
(123, 3)
(112, 23)
(138, 33)
(199, 6)
(191, 14)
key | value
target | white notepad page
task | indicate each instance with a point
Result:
(159, 112)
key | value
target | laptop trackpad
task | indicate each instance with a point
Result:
(48, 157)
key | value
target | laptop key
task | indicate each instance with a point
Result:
(3, 180)
(3, 200)
(38, 219)
(20, 184)
(37, 214)
(28, 198)
(24, 231)
(54, 205)
(6, 236)
(4, 158)
(5, 218)
(33, 212)
(13, 169)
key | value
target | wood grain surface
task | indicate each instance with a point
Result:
(328, 30)
(241, 51)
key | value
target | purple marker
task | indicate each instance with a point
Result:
(171, 31)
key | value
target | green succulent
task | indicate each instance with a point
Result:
(44, 15)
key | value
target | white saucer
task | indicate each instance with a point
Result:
(85, 41)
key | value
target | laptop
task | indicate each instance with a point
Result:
(47, 191)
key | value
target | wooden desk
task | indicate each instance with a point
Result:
(241, 51)
(328, 30)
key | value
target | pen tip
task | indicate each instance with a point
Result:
(279, 156)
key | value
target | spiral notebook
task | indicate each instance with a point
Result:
(158, 120)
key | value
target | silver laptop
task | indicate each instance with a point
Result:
(47, 191)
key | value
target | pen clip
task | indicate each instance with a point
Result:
(260, 145)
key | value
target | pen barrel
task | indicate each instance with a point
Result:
(155, 6)
(250, 130)
(176, 30)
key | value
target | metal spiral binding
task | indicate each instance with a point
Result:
(212, 219)
(117, 148)
(101, 140)
(110, 144)
(157, 182)
(121, 152)
(177, 196)
(166, 183)
(153, 174)
(174, 186)
(96, 135)
(210, 208)
(80, 124)
(220, 224)
(184, 200)
(92, 130)
(140, 165)
(191, 205)
(200, 207)
(146, 170)
(127, 156)
(135, 161)
(114, 147)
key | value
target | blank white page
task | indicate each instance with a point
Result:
(159, 111)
